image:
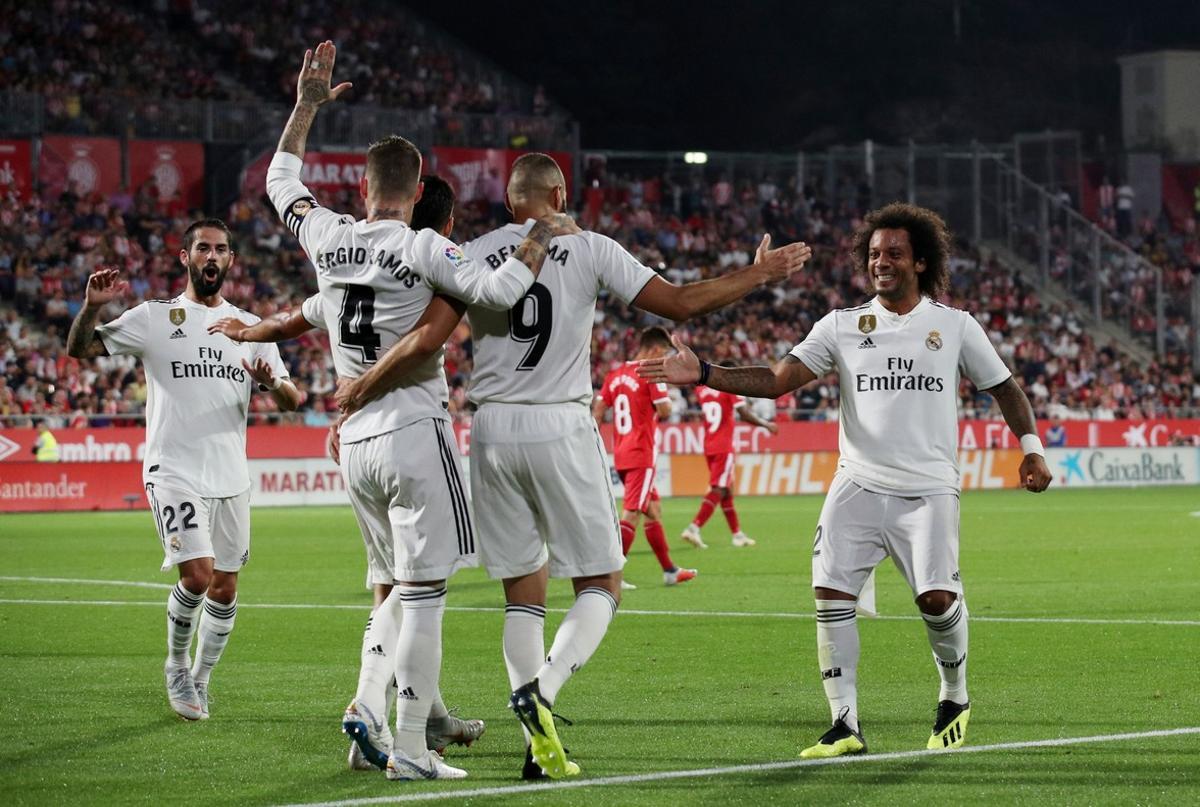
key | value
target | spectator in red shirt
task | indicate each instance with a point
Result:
(637, 405)
(719, 409)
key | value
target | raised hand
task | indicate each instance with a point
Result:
(316, 75)
(103, 287)
(781, 263)
(230, 326)
(680, 368)
(1035, 476)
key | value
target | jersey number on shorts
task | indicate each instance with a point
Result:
(358, 312)
(530, 320)
(186, 509)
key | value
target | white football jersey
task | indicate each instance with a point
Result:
(375, 281)
(540, 351)
(197, 392)
(899, 390)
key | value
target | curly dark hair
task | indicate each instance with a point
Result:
(928, 234)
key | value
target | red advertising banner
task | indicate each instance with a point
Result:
(35, 486)
(323, 171)
(16, 168)
(176, 166)
(88, 164)
(1179, 183)
(127, 444)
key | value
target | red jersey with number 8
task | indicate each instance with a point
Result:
(632, 401)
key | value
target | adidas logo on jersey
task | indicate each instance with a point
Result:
(377, 650)
(866, 343)
(407, 693)
(179, 334)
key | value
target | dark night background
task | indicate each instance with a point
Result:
(785, 75)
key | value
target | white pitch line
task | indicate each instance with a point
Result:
(660, 776)
(302, 606)
(83, 582)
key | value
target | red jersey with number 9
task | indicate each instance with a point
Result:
(718, 410)
(632, 401)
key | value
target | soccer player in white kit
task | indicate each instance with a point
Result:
(898, 358)
(538, 468)
(376, 277)
(195, 471)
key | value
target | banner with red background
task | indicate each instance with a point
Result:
(176, 166)
(126, 444)
(93, 164)
(16, 167)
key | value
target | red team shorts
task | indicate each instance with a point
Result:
(639, 489)
(720, 470)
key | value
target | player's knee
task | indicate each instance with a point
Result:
(935, 602)
(196, 581)
(223, 588)
(831, 594)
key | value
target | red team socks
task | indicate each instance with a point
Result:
(658, 542)
(706, 508)
(730, 512)
(627, 535)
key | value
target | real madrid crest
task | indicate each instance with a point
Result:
(866, 323)
(178, 315)
(933, 341)
(176, 544)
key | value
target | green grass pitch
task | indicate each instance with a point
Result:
(84, 719)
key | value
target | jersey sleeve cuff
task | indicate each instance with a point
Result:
(286, 163)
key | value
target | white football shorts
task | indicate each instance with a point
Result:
(407, 490)
(859, 528)
(191, 526)
(543, 491)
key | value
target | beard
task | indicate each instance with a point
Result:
(204, 286)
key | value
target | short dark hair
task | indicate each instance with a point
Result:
(927, 233)
(436, 205)
(189, 235)
(654, 336)
(393, 168)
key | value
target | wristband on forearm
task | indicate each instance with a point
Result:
(1032, 444)
(705, 369)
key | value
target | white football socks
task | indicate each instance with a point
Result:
(837, 653)
(524, 644)
(578, 636)
(948, 639)
(377, 661)
(418, 664)
(183, 612)
(215, 626)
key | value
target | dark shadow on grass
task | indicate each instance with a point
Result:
(96, 740)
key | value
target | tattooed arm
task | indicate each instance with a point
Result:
(685, 367)
(312, 91)
(103, 287)
(1018, 414)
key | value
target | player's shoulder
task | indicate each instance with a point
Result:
(948, 313)
(228, 309)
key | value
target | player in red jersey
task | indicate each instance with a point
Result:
(637, 405)
(719, 409)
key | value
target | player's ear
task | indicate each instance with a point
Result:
(508, 204)
(420, 192)
(362, 186)
(183, 257)
(919, 265)
(448, 227)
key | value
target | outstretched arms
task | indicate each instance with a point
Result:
(685, 367)
(279, 328)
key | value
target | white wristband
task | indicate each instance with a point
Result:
(278, 382)
(1032, 444)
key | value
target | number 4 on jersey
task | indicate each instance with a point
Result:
(358, 312)
(531, 320)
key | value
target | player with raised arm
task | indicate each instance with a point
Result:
(637, 406)
(535, 445)
(719, 409)
(434, 210)
(195, 471)
(376, 278)
(898, 358)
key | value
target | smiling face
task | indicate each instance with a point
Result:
(892, 269)
(207, 261)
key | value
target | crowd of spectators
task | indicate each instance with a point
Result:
(687, 228)
(94, 62)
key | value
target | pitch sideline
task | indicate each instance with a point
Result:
(742, 769)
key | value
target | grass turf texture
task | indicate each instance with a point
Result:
(84, 718)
